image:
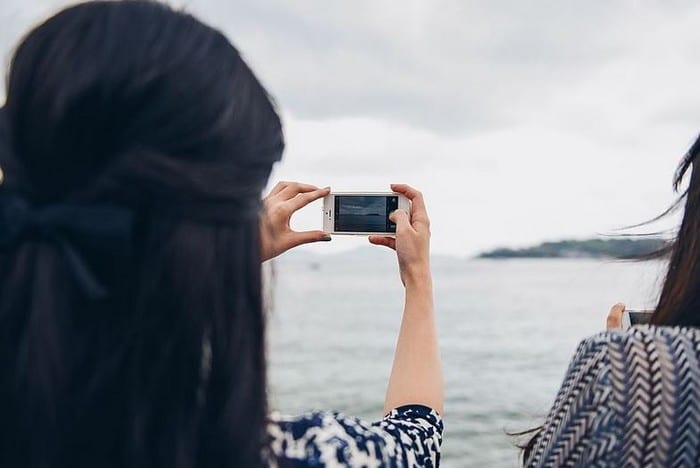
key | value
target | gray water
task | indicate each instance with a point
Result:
(507, 330)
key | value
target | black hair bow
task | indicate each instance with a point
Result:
(76, 229)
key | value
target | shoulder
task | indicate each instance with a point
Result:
(654, 381)
(639, 341)
(635, 336)
(407, 436)
(647, 361)
(631, 354)
(611, 380)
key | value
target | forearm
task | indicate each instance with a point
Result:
(416, 376)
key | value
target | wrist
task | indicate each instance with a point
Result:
(419, 294)
(418, 277)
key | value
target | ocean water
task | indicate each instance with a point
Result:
(507, 330)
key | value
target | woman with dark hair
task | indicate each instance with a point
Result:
(632, 397)
(134, 146)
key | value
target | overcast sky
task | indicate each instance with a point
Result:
(520, 121)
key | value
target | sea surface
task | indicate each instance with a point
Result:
(507, 330)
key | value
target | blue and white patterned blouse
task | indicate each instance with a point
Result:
(629, 398)
(409, 436)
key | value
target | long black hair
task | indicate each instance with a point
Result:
(133, 106)
(679, 301)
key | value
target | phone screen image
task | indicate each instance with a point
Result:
(639, 318)
(365, 213)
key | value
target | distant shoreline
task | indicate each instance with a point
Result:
(628, 248)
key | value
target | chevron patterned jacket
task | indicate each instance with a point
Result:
(629, 398)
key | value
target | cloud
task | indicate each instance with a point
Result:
(512, 186)
(457, 67)
(452, 66)
(520, 121)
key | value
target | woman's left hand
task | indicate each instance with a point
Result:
(614, 320)
(276, 235)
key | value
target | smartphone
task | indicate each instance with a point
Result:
(635, 317)
(362, 213)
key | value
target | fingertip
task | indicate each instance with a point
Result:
(619, 307)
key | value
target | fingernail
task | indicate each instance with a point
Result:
(326, 238)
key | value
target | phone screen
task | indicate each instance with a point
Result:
(639, 318)
(365, 213)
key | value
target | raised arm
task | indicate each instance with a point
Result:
(416, 376)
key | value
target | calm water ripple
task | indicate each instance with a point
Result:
(507, 331)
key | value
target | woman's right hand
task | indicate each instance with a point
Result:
(412, 241)
(416, 376)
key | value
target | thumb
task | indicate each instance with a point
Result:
(614, 319)
(400, 218)
(308, 237)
